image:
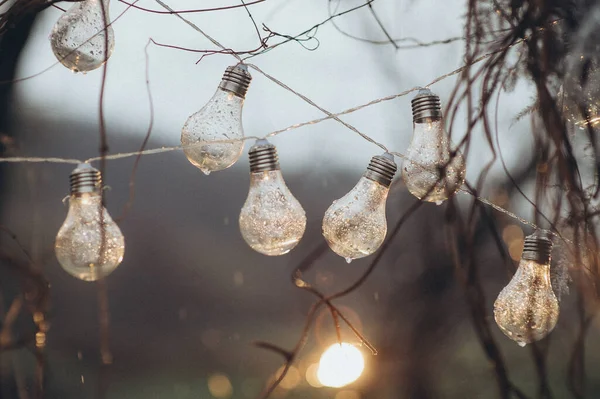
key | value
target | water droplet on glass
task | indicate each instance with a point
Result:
(205, 171)
(438, 203)
(348, 260)
(204, 132)
(521, 344)
(355, 228)
(428, 156)
(79, 37)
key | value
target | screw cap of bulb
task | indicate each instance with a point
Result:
(263, 157)
(382, 169)
(537, 247)
(236, 80)
(426, 107)
(85, 179)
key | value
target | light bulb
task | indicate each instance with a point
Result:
(220, 119)
(355, 225)
(526, 309)
(81, 247)
(78, 38)
(429, 153)
(272, 220)
(580, 91)
(340, 365)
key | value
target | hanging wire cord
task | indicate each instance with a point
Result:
(489, 38)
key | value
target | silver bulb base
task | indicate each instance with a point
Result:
(382, 169)
(263, 157)
(85, 179)
(236, 80)
(426, 107)
(538, 248)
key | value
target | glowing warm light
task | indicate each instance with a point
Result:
(511, 233)
(514, 250)
(592, 121)
(220, 386)
(311, 375)
(513, 237)
(340, 365)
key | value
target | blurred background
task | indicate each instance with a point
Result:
(191, 297)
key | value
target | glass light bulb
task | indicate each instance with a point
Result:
(78, 38)
(527, 309)
(429, 154)
(81, 247)
(355, 225)
(272, 221)
(220, 119)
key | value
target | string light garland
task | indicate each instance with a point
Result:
(355, 225)
(430, 172)
(80, 36)
(527, 309)
(89, 243)
(271, 239)
(219, 119)
(441, 173)
(272, 221)
(253, 236)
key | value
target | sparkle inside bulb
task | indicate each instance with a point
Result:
(428, 154)
(272, 221)
(79, 244)
(527, 309)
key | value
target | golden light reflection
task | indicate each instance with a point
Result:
(500, 197)
(340, 365)
(311, 375)
(220, 386)
(513, 236)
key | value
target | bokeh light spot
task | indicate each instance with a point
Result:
(511, 233)
(515, 249)
(311, 375)
(340, 365)
(220, 386)
(291, 379)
